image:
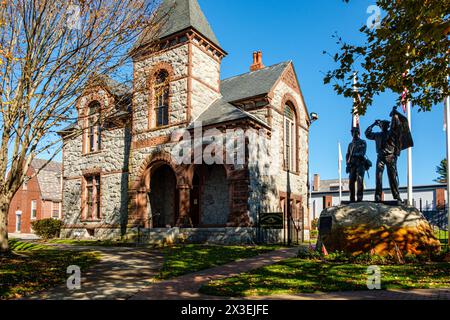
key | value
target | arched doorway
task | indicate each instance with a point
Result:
(163, 197)
(214, 204)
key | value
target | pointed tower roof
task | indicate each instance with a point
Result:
(179, 15)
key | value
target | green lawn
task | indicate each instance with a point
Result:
(307, 276)
(30, 268)
(184, 259)
(91, 243)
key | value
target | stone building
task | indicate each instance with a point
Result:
(122, 172)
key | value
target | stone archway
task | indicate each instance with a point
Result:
(162, 203)
(160, 193)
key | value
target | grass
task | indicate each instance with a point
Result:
(184, 259)
(307, 276)
(91, 243)
(30, 268)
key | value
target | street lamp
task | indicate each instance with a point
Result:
(313, 118)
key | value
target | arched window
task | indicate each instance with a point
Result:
(290, 139)
(161, 97)
(93, 139)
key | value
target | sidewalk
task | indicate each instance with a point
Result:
(186, 287)
(416, 294)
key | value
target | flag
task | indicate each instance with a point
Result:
(324, 250)
(356, 100)
(405, 92)
(404, 99)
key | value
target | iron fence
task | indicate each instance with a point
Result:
(438, 220)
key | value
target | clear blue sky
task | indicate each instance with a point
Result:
(301, 30)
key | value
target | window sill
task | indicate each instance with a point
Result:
(92, 153)
(91, 221)
(295, 173)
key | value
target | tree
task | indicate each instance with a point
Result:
(441, 170)
(49, 51)
(413, 35)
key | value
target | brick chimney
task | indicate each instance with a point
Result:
(257, 61)
(316, 183)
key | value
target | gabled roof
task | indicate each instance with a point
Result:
(114, 87)
(179, 15)
(221, 111)
(252, 84)
(49, 179)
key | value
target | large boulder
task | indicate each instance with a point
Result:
(375, 227)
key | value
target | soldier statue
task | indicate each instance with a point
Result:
(394, 137)
(356, 165)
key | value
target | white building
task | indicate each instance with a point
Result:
(325, 194)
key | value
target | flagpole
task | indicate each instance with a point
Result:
(410, 173)
(340, 174)
(447, 131)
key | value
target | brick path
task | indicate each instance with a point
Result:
(187, 286)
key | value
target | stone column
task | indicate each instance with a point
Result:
(184, 206)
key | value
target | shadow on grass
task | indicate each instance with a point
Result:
(30, 268)
(184, 259)
(296, 276)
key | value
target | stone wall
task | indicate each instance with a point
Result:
(112, 164)
(215, 201)
(175, 61)
(205, 81)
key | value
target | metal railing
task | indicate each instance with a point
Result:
(438, 220)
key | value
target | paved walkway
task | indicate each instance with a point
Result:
(186, 287)
(121, 273)
(417, 294)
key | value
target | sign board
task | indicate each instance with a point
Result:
(273, 220)
(325, 225)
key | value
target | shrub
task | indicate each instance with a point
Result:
(314, 234)
(47, 228)
(309, 254)
(368, 258)
(314, 224)
(338, 256)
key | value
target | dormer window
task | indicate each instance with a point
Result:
(161, 97)
(93, 138)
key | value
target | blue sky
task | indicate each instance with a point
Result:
(300, 31)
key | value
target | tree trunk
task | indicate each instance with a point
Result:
(4, 208)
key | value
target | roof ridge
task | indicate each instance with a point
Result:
(256, 71)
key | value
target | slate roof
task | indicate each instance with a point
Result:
(49, 179)
(241, 87)
(179, 15)
(221, 111)
(116, 88)
(252, 84)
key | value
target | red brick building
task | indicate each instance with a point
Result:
(39, 198)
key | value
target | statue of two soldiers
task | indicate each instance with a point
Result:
(394, 137)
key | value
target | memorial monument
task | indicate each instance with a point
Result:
(385, 228)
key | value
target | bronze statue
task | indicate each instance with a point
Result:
(394, 137)
(356, 165)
